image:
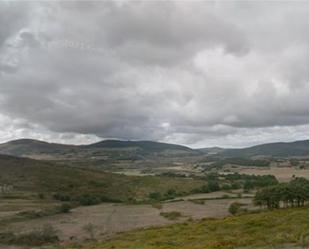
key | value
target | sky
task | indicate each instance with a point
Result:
(197, 73)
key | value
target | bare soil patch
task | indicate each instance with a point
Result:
(110, 219)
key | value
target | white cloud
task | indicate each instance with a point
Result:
(197, 73)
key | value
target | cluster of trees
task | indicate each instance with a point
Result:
(216, 182)
(240, 161)
(292, 194)
(157, 196)
(249, 182)
(84, 199)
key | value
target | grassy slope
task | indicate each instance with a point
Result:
(261, 230)
(42, 177)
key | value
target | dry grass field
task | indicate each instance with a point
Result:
(110, 219)
(283, 174)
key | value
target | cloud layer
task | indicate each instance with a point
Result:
(199, 73)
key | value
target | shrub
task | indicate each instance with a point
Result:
(234, 208)
(65, 208)
(171, 215)
(171, 193)
(87, 200)
(155, 196)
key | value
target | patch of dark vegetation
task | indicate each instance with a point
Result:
(219, 162)
(173, 215)
(292, 194)
(45, 235)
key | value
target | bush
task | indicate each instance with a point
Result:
(234, 208)
(62, 197)
(171, 215)
(155, 196)
(65, 208)
(87, 200)
(171, 193)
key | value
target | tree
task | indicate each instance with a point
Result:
(294, 193)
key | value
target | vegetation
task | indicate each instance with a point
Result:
(219, 163)
(171, 215)
(87, 187)
(46, 234)
(234, 208)
(260, 230)
(216, 182)
(294, 193)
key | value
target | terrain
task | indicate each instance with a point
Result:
(272, 229)
(74, 184)
(54, 193)
(288, 149)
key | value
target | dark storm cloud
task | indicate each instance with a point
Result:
(200, 73)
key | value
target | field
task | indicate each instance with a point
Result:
(283, 174)
(287, 228)
(110, 219)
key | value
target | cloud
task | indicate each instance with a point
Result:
(200, 73)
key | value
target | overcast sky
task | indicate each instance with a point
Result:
(195, 73)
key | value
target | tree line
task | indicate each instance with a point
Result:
(292, 194)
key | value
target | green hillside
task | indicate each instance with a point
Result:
(110, 155)
(272, 229)
(30, 147)
(73, 184)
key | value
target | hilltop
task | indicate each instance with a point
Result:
(281, 149)
(35, 148)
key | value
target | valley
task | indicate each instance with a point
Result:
(78, 196)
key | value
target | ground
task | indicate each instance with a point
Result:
(286, 228)
(110, 219)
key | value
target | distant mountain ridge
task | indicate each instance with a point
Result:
(279, 149)
(143, 144)
(26, 147)
(29, 147)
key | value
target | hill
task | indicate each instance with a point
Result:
(211, 150)
(35, 148)
(85, 186)
(31, 147)
(147, 146)
(297, 148)
(274, 229)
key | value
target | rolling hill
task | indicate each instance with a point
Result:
(35, 148)
(28, 147)
(290, 149)
(139, 150)
(74, 184)
(147, 146)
